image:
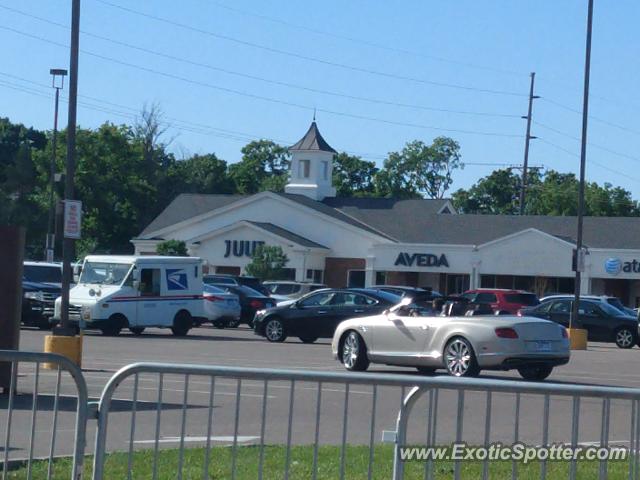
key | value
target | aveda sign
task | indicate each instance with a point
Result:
(421, 260)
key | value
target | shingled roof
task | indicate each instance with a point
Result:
(312, 140)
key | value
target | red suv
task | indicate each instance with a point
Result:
(501, 300)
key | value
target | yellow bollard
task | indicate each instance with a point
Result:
(577, 338)
(70, 347)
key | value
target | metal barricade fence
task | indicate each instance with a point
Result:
(265, 416)
(57, 388)
(590, 410)
(265, 423)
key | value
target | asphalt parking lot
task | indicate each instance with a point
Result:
(601, 364)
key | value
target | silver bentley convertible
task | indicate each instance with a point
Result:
(463, 345)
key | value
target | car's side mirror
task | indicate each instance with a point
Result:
(136, 284)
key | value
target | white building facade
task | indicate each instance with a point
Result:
(367, 241)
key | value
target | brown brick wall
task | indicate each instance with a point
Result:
(335, 270)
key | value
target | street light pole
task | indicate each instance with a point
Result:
(68, 245)
(50, 241)
(583, 160)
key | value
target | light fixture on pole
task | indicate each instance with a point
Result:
(57, 82)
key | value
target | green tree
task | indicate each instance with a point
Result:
(172, 248)
(353, 176)
(264, 166)
(267, 263)
(420, 169)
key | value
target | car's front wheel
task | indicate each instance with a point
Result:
(233, 323)
(274, 330)
(354, 353)
(114, 325)
(460, 359)
(535, 373)
(625, 338)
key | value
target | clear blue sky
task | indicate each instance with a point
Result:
(398, 53)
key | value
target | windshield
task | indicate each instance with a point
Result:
(104, 273)
(43, 273)
(609, 310)
(616, 303)
(212, 289)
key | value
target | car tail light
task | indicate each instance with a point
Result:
(519, 313)
(565, 334)
(257, 304)
(506, 333)
(213, 298)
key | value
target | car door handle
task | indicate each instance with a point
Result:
(320, 312)
(358, 310)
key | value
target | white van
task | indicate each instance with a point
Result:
(136, 292)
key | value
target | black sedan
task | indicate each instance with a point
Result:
(317, 314)
(251, 301)
(603, 322)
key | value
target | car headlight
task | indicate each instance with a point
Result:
(34, 296)
(86, 313)
(260, 313)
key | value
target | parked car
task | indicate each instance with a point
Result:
(502, 301)
(286, 290)
(251, 301)
(463, 345)
(38, 300)
(43, 272)
(603, 322)
(237, 280)
(221, 307)
(317, 314)
(412, 292)
(613, 301)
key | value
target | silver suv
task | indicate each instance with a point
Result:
(289, 290)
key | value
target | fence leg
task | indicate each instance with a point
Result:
(401, 429)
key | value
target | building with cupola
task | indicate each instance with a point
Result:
(419, 242)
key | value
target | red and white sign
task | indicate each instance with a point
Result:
(72, 218)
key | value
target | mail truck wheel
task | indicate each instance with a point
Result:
(354, 352)
(182, 323)
(114, 325)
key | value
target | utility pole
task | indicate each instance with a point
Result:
(50, 242)
(575, 320)
(68, 245)
(528, 137)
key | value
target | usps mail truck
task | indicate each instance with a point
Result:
(115, 292)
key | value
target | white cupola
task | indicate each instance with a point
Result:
(311, 166)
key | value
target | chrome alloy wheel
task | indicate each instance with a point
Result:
(624, 338)
(350, 350)
(458, 358)
(274, 331)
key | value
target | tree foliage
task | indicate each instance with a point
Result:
(172, 248)
(420, 170)
(353, 176)
(553, 193)
(264, 166)
(267, 263)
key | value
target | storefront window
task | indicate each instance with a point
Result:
(314, 276)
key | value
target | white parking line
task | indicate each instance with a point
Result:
(188, 439)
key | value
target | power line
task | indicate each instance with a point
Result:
(309, 58)
(261, 97)
(592, 117)
(368, 43)
(263, 79)
(604, 167)
(591, 144)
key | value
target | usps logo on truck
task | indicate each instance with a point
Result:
(177, 279)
